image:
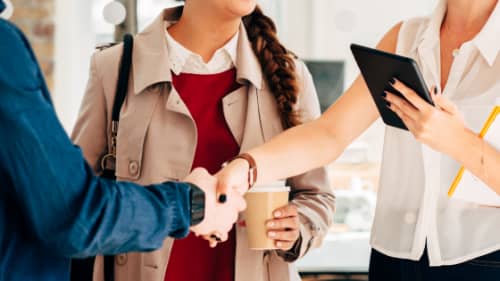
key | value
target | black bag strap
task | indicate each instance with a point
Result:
(82, 270)
(108, 160)
(123, 76)
(121, 87)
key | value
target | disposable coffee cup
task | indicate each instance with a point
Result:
(262, 201)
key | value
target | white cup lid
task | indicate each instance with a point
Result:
(273, 184)
(264, 188)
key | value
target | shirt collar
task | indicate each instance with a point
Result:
(487, 41)
(179, 55)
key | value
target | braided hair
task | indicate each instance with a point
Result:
(277, 65)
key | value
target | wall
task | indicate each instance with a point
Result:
(74, 44)
(36, 19)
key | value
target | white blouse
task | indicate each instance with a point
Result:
(185, 61)
(413, 208)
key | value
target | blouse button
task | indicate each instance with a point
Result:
(121, 259)
(133, 168)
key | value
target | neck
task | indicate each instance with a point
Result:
(202, 31)
(467, 16)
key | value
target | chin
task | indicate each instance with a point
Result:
(241, 8)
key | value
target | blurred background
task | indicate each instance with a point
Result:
(64, 35)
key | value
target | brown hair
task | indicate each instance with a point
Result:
(277, 65)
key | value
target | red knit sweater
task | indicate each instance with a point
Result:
(191, 258)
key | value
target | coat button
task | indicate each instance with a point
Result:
(133, 168)
(121, 259)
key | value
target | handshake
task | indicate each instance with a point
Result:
(219, 216)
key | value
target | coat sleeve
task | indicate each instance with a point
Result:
(64, 206)
(311, 192)
(90, 131)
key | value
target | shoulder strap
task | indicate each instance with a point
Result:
(121, 93)
(123, 76)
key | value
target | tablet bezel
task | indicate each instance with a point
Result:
(389, 66)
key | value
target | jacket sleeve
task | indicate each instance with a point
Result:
(90, 131)
(65, 207)
(311, 192)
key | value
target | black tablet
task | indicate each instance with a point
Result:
(378, 68)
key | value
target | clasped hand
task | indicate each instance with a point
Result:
(219, 217)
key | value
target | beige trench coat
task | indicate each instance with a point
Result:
(157, 140)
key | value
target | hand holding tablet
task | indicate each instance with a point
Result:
(379, 69)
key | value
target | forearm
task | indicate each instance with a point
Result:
(124, 217)
(479, 157)
(83, 215)
(296, 151)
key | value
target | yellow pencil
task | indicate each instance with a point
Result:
(483, 132)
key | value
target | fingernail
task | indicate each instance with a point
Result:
(213, 236)
(222, 198)
(277, 214)
(272, 234)
(278, 244)
(270, 224)
(392, 81)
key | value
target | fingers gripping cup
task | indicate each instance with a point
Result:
(262, 201)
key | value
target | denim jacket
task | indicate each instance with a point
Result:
(52, 207)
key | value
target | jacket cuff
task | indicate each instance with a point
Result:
(301, 246)
(293, 254)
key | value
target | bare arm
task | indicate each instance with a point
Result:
(320, 142)
(479, 157)
(317, 143)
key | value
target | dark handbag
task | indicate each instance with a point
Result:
(83, 269)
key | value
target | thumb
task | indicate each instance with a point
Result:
(222, 187)
(444, 103)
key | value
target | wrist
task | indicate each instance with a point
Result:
(468, 140)
(246, 162)
(197, 199)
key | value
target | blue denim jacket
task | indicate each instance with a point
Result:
(51, 206)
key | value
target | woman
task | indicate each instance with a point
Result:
(418, 233)
(208, 80)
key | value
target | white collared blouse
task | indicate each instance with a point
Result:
(185, 61)
(413, 209)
